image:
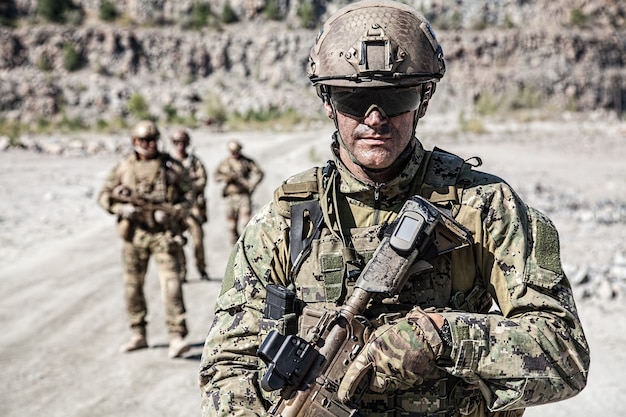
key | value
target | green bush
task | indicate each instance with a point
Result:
(272, 10)
(42, 124)
(108, 12)
(578, 18)
(11, 129)
(200, 14)
(52, 10)
(526, 97)
(138, 106)
(71, 57)
(471, 125)
(306, 13)
(487, 104)
(59, 11)
(8, 13)
(101, 125)
(44, 64)
(215, 109)
(228, 15)
(74, 124)
(171, 114)
(445, 21)
(271, 117)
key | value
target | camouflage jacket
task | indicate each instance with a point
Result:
(199, 177)
(532, 352)
(161, 181)
(239, 175)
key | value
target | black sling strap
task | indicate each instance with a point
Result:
(301, 246)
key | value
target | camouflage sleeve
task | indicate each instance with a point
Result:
(222, 172)
(201, 176)
(104, 196)
(185, 194)
(258, 172)
(535, 351)
(230, 371)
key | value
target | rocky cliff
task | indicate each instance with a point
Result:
(512, 54)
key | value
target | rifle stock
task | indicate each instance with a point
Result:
(309, 388)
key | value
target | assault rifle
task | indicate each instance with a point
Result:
(145, 207)
(241, 184)
(309, 370)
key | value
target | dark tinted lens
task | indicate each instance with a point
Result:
(149, 139)
(393, 101)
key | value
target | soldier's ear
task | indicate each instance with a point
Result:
(426, 94)
(329, 110)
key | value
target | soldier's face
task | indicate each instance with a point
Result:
(146, 148)
(375, 140)
(180, 145)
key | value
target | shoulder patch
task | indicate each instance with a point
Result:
(543, 266)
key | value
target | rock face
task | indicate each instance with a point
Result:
(561, 54)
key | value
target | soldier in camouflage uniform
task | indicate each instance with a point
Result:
(490, 329)
(198, 213)
(240, 176)
(149, 193)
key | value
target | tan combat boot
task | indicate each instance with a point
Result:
(137, 341)
(178, 346)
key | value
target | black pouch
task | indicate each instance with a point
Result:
(279, 302)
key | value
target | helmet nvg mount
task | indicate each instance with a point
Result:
(375, 44)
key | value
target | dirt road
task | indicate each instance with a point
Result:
(62, 313)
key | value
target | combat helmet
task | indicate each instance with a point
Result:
(180, 135)
(375, 44)
(234, 146)
(145, 129)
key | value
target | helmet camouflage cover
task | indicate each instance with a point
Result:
(376, 43)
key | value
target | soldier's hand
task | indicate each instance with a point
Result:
(245, 184)
(160, 216)
(122, 191)
(398, 356)
(127, 211)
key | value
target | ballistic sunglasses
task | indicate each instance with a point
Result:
(358, 102)
(149, 138)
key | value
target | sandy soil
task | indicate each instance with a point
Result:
(62, 313)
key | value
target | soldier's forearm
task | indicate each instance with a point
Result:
(487, 352)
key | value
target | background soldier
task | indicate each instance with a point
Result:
(198, 213)
(437, 347)
(240, 176)
(148, 192)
